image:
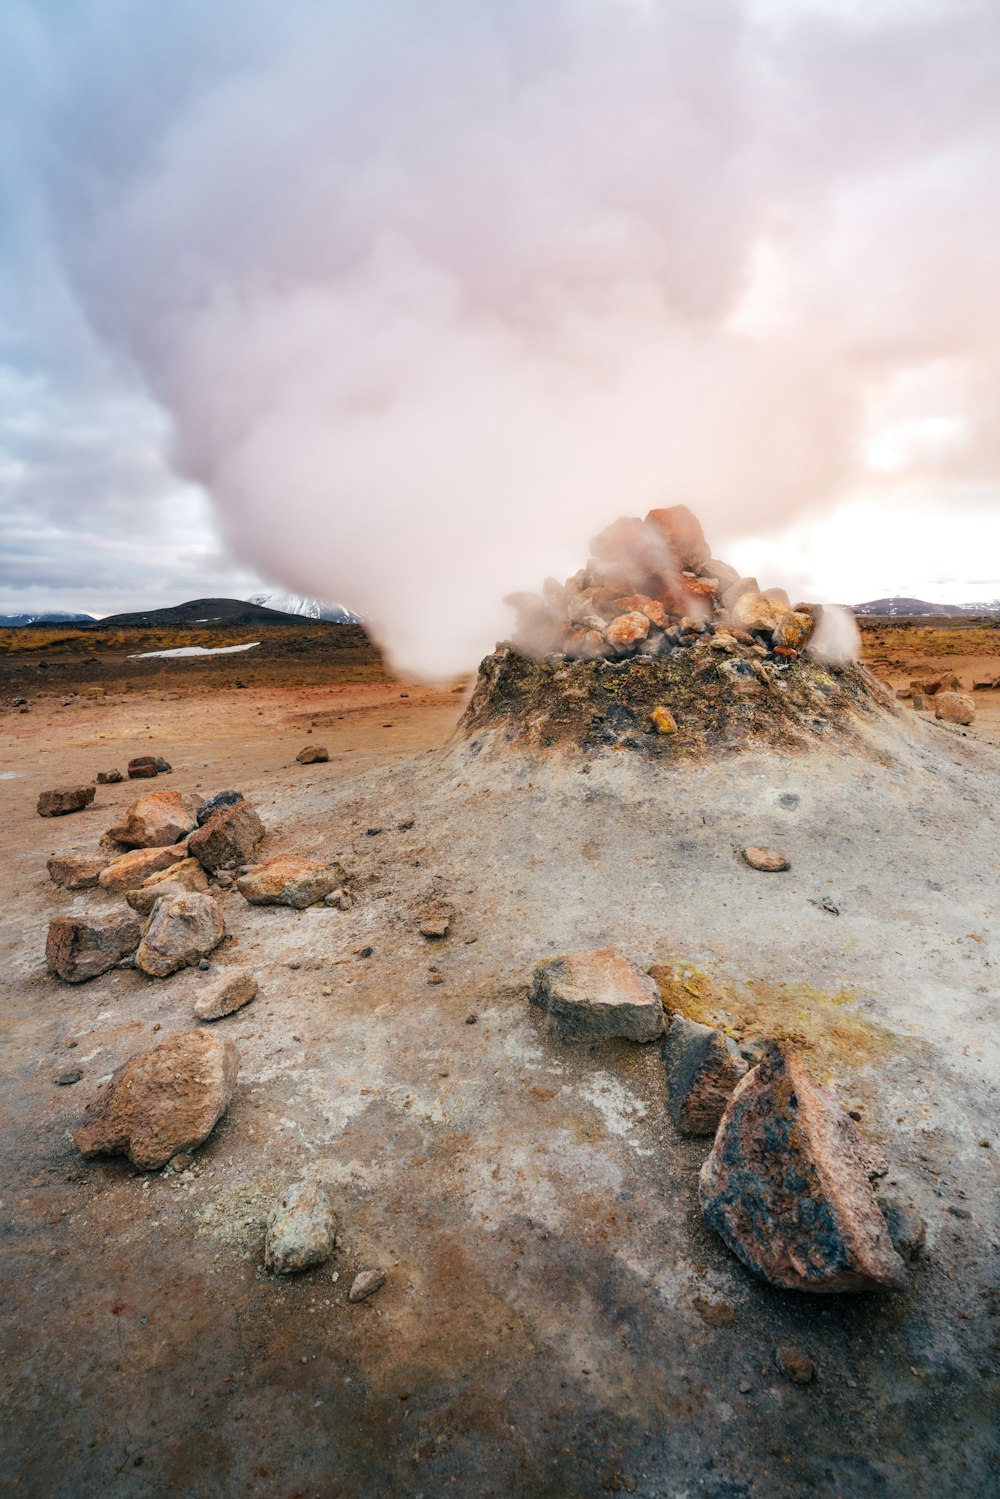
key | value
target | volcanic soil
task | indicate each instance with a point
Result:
(556, 1320)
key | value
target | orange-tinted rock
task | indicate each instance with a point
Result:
(584, 645)
(290, 881)
(703, 1068)
(77, 950)
(130, 870)
(76, 871)
(785, 1186)
(162, 1102)
(954, 707)
(794, 631)
(946, 681)
(768, 860)
(683, 534)
(143, 767)
(600, 993)
(156, 820)
(71, 799)
(753, 612)
(663, 720)
(182, 930)
(229, 838)
(627, 629)
(176, 880)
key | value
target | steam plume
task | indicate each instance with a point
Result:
(432, 293)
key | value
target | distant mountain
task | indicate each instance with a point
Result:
(292, 603)
(16, 621)
(206, 612)
(893, 607)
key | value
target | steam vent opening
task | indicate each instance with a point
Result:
(657, 647)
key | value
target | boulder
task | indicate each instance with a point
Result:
(59, 803)
(794, 631)
(703, 1068)
(77, 949)
(182, 929)
(109, 777)
(600, 993)
(76, 871)
(228, 838)
(301, 1230)
(768, 860)
(131, 870)
(290, 881)
(222, 996)
(682, 532)
(215, 803)
(785, 1185)
(156, 820)
(178, 878)
(313, 754)
(142, 768)
(754, 612)
(627, 629)
(162, 1102)
(954, 707)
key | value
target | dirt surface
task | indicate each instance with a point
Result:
(556, 1320)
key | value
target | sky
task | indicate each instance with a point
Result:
(398, 305)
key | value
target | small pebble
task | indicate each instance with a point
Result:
(471, 1019)
(204, 965)
(65, 1078)
(768, 860)
(71, 1044)
(745, 1386)
(293, 963)
(795, 1365)
(365, 1284)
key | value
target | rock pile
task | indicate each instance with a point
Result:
(650, 586)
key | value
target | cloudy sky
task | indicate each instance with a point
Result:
(398, 304)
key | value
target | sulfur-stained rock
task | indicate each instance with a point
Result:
(301, 1230)
(290, 881)
(313, 754)
(71, 799)
(754, 612)
(163, 1101)
(786, 1188)
(228, 838)
(222, 996)
(627, 629)
(76, 871)
(794, 631)
(178, 878)
(182, 929)
(663, 720)
(77, 949)
(142, 768)
(703, 1068)
(156, 820)
(600, 993)
(954, 707)
(131, 870)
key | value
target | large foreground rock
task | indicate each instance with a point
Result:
(156, 819)
(77, 950)
(131, 870)
(290, 881)
(162, 1101)
(182, 930)
(786, 1188)
(71, 799)
(300, 1230)
(176, 879)
(703, 1068)
(228, 838)
(601, 993)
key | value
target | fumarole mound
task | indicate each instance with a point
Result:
(655, 646)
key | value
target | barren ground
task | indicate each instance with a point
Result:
(556, 1320)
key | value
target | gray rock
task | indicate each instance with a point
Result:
(365, 1284)
(703, 1068)
(300, 1230)
(230, 992)
(181, 930)
(600, 993)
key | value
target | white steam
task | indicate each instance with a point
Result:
(433, 292)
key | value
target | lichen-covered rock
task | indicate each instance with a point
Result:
(78, 949)
(163, 1101)
(76, 871)
(155, 820)
(600, 993)
(290, 881)
(228, 838)
(182, 930)
(175, 880)
(301, 1230)
(226, 994)
(131, 870)
(786, 1188)
(703, 1068)
(954, 707)
(71, 799)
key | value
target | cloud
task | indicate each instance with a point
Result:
(431, 293)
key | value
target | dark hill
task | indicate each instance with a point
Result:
(892, 607)
(201, 612)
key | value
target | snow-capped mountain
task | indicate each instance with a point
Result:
(291, 603)
(55, 617)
